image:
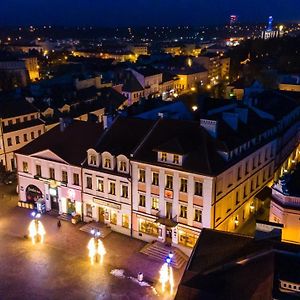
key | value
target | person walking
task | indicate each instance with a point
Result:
(58, 224)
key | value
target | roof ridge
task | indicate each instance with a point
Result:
(145, 138)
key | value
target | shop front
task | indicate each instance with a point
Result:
(185, 237)
(33, 194)
(70, 201)
(115, 215)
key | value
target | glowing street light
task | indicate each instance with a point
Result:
(36, 228)
(166, 273)
(96, 247)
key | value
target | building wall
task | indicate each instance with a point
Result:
(290, 218)
(14, 140)
(289, 87)
(237, 186)
(174, 197)
(63, 190)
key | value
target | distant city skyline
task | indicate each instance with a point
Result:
(144, 12)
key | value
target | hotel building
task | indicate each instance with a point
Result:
(167, 179)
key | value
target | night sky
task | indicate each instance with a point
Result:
(143, 12)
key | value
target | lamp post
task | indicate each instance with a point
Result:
(36, 228)
(166, 273)
(96, 247)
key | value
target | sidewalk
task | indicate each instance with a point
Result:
(122, 251)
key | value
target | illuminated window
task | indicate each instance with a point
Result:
(113, 217)
(147, 227)
(155, 203)
(51, 173)
(125, 221)
(155, 178)
(142, 175)
(142, 201)
(163, 156)
(76, 179)
(38, 170)
(198, 188)
(107, 163)
(198, 215)
(169, 182)
(187, 239)
(176, 159)
(64, 176)
(89, 182)
(93, 160)
(183, 212)
(100, 185)
(124, 193)
(25, 166)
(183, 185)
(89, 211)
(112, 188)
(123, 166)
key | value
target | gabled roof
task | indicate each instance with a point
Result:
(15, 108)
(124, 136)
(147, 70)
(201, 155)
(131, 84)
(177, 145)
(70, 145)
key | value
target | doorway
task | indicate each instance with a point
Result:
(101, 215)
(71, 207)
(168, 235)
(54, 203)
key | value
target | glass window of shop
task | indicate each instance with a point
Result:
(89, 211)
(125, 220)
(113, 217)
(147, 227)
(187, 239)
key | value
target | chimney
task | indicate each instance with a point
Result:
(231, 119)
(64, 123)
(107, 121)
(211, 126)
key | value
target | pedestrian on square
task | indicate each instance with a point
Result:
(58, 224)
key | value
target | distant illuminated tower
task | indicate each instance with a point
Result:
(269, 33)
(233, 20)
(270, 24)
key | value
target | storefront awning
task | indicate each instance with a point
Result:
(167, 222)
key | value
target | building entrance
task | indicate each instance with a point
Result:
(101, 215)
(54, 203)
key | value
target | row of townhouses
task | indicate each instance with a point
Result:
(165, 179)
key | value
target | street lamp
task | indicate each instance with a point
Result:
(166, 273)
(96, 247)
(36, 228)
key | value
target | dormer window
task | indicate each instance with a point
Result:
(107, 163)
(93, 160)
(123, 166)
(176, 159)
(163, 156)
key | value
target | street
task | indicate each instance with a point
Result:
(60, 268)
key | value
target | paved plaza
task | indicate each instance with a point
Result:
(60, 268)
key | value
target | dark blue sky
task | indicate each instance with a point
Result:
(143, 12)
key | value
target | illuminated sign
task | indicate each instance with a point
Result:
(107, 203)
(52, 192)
